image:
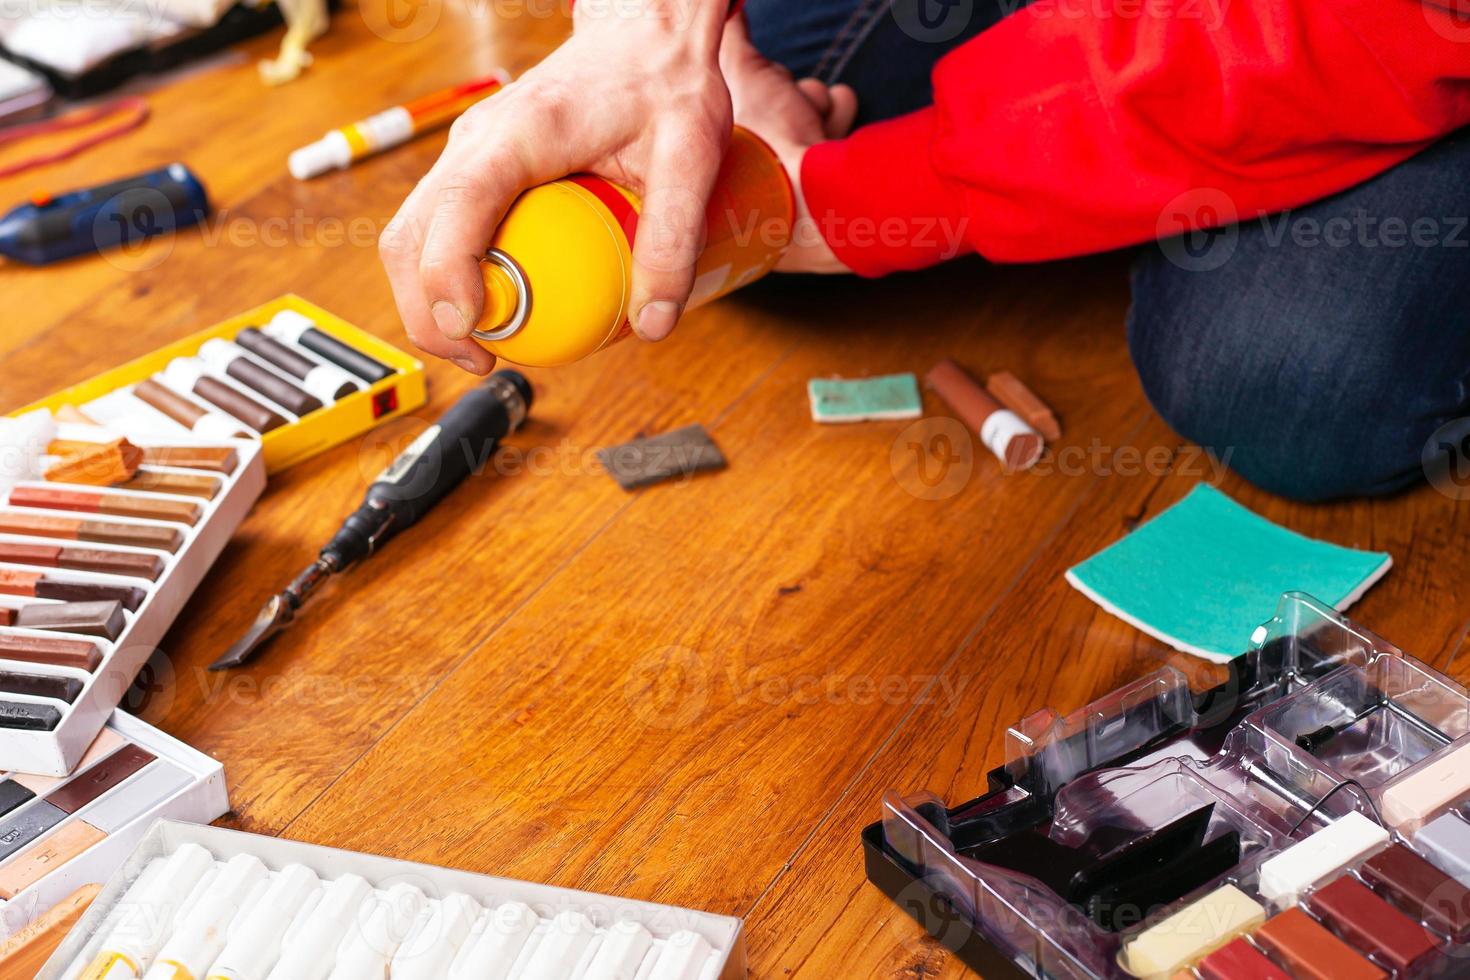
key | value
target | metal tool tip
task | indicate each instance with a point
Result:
(274, 615)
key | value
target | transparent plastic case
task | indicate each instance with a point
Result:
(1106, 820)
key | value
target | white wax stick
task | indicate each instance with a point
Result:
(255, 940)
(567, 938)
(501, 937)
(146, 914)
(200, 933)
(311, 951)
(428, 955)
(682, 958)
(1294, 870)
(287, 326)
(623, 949)
(369, 949)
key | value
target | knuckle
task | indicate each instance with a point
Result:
(462, 189)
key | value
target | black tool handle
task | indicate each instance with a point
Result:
(462, 441)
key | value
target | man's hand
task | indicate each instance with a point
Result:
(636, 96)
(791, 116)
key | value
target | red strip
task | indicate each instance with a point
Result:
(135, 113)
(622, 209)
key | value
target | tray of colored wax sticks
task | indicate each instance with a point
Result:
(210, 903)
(287, 374)
(1307, 818)
(104, 534)
(59, 834)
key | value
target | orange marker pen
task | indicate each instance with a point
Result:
(343, 147)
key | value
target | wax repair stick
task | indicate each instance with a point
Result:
(311, 951)
(623, 949)
(429, 954)
(255, 942)
(567, 938)
(201, 931)
(342, 147)
(369, 949)
(499, 942)
(146, 914)
(1003, 432)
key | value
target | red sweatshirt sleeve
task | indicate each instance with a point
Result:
(1077, 126)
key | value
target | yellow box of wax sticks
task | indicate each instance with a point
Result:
(297, 351)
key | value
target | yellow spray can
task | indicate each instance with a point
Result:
(559, 271)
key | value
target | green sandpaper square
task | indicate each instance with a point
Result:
(1202, 575)
(891, 396)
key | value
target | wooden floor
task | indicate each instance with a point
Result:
(696, 694)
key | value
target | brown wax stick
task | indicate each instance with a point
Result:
(106, 504)
(23, 954)
(1011, 392)
(220, 459)
(97, 464)
(182, 484)
(169, 402)
(95, 532)
(7, 616)
(40, 685)
(1002, 431)
(287, 395)
(177, 407)
(130, 563)
(104, 619)
(100, 778)
(57, 651)
(45, 856)
(38, 586)
(242, 407)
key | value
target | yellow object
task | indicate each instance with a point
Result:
(112, 966)
(559, 271)
(320, 430)
(1192, 933)
(306, 20)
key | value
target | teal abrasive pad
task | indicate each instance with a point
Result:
(892, 396)
(1206, 572)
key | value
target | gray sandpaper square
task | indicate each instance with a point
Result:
(677, 454)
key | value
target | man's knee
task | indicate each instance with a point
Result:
(1284, 395)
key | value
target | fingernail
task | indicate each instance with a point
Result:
(451, 321)
(466, 364)
(656, 320)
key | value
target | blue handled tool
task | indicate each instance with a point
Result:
(49, 228)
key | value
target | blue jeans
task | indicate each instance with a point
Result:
(1326, 350)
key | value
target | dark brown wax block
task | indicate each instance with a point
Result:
(246, 409)
(29, 717)
(57, 651)
(103, 619)
(349, 359)
(130, 596)
(100, 778)
(113, 562)
(1422, 889)
(287, 395)
(40, 685)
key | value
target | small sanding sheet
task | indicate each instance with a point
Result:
(891, 396)
(1204, 573)
(674, 455)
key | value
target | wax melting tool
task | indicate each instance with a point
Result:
(49, 228)
(421, 476)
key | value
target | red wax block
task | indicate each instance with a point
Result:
(1371, 924)
(1239, 960)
